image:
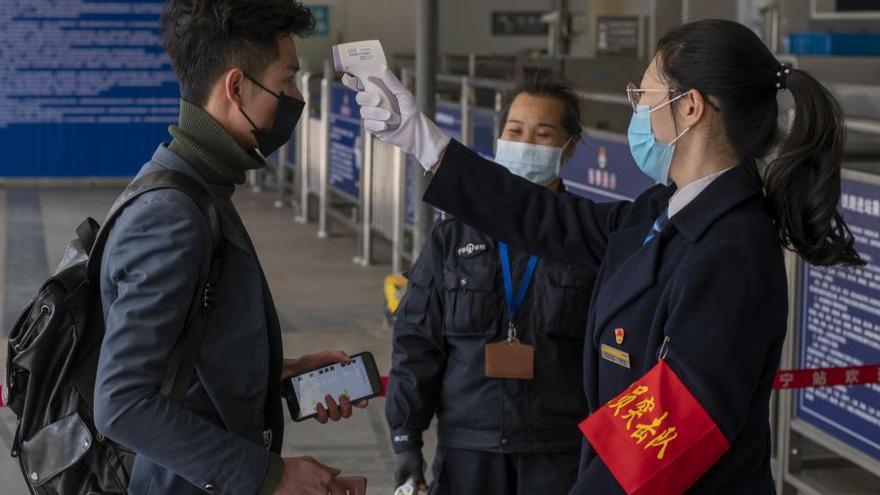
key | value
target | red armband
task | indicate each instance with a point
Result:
(655, 437)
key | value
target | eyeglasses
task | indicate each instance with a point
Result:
(634, 93)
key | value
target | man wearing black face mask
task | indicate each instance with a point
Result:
(287, 113)
(236, 62)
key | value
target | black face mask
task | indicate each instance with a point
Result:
(287, 114)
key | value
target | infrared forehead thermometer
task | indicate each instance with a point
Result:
(366, 61)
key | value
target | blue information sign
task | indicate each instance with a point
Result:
(484, 132)
(411, 193)
(839, 325)
(346, 142)
(602, 169)
(85, 87)
(448, 119)
(483, 123)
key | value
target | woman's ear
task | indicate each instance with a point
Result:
(692, 107)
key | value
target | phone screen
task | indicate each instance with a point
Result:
(350, 380)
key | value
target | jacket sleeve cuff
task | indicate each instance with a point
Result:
(273, 475)
(403, 441)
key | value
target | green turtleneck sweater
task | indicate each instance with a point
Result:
(207, 147)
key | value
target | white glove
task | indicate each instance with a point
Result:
(416, 134)
(409, 488)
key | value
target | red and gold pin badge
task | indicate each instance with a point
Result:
(618, 335)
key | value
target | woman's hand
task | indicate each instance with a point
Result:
(416, 134)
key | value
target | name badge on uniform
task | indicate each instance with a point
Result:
(510, 359)
(614, 355)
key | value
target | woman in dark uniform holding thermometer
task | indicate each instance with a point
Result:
(696, 261)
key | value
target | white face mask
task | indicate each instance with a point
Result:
(534, 162)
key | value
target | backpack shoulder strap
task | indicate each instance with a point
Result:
(165, 179)
(185, 354)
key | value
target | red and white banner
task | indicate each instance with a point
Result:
(827, 377)
(785, 379)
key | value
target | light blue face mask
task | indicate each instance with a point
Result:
(652, 156)
(534, 162)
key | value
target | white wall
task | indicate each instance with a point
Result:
(391, 21)
(466, 26)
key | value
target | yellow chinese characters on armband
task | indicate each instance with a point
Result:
(655, 437)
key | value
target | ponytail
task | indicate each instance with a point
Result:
(727, 61)
(802, 183)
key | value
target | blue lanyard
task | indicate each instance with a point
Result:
(514, 302)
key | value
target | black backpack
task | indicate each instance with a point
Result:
(53, 357)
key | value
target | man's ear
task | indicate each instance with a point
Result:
(232, 82)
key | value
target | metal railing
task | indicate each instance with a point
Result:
(853, 124)
(304, 132)
(380, 206)
(863, 126)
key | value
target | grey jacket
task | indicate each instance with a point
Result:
(157, 253)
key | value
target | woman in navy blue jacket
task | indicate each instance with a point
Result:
(696, 261)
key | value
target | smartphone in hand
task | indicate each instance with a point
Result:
(357, 380)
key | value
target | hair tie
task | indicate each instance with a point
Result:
(782, 77)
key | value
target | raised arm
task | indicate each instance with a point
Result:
(485, 195)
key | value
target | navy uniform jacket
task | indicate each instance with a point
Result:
(453, 307)
(156, 254)
(713, 282)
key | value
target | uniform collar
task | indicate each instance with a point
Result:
(660, 198)
(688, 193)
(727, 191)
(561, 188)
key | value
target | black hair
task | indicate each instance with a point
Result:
(541, 83)
(205, 38)
(728, 63)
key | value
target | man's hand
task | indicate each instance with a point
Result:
(306, 476)
(333, 411)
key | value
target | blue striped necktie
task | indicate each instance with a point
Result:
(657, 227)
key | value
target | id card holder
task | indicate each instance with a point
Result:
(510, 359)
